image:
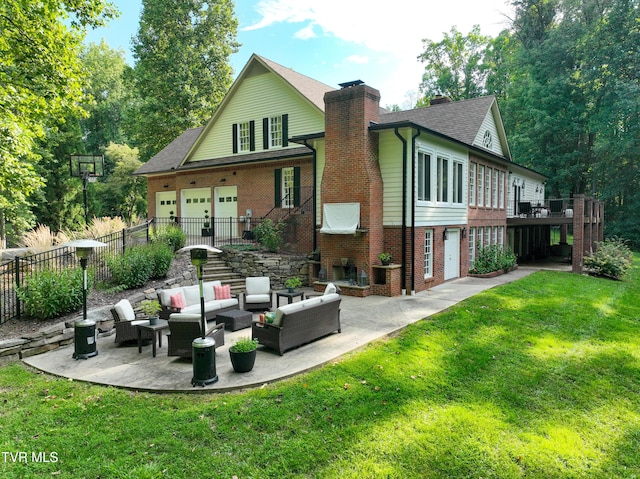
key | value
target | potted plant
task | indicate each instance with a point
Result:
(292, 283)
(385, 258)
(243, 354)
(206, 227)
(151, 308)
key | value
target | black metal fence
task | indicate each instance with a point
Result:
(14, 272)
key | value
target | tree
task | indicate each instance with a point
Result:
(109, 98)
(40, 82)
(455, 66)
(182, 72)
(123, 194)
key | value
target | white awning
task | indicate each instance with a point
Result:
(340, 218)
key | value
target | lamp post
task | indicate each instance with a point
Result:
(204, 359)
(85, 330)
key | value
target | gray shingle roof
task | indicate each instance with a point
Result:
(170, 157)
(460, 120)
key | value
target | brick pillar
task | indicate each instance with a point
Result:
(578, 234)
(352, 174)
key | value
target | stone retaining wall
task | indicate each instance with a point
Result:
(247, 263)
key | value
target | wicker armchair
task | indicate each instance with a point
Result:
(126, 319)
(257, 294)
(184, 328)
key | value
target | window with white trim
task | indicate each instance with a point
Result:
(472, 184)
(472, 247)
(494, 188)
(480, 185)
(501, 190)
(288, 183)
(458, 182)
(487, 235)
(501, 235)
(487, 187)
(275, 131)
(442, 179)
(244, 136)
(428, 253)
(424, 176)
(480, 237)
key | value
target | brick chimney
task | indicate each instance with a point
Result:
(352, 174)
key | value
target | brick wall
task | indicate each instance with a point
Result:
(352, 174)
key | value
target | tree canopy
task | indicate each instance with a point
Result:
(40, 82)
(182, 72)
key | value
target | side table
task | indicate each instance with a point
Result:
(289, 296)
(160, 326)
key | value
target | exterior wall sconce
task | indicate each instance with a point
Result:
(445, 235)
(464, 233)
(193, 182)
(165, 186)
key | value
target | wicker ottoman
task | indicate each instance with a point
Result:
(235, 319)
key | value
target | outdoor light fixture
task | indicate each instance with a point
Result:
(192, 182)
(445, 234)
(464, 233)
(363, 279)
(204, 359)
(85, 330)
(322, 275)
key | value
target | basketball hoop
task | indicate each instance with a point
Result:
(88, 168)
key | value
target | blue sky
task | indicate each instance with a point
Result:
(337, 41)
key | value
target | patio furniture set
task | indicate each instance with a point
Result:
(293, 324)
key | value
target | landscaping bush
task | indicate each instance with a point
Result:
(131, 269)
(269, 234)
(48, 294)
(161, 257)
(612, 259)
(493, 258)
(170, 235)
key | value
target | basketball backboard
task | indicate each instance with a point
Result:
(86, 166)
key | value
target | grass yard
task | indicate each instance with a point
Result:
(536, 379)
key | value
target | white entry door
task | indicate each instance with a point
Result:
(452, 254)
(226, 211)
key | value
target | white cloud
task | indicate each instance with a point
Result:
(306, 33)
(389, 35)
(357, 59)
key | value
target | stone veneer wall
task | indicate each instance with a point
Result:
(277, 267)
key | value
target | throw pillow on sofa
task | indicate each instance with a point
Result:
(177, 301)
(222, 292)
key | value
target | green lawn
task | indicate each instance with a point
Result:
(536, 379)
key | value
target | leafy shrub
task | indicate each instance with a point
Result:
(171, 235)
(133, 268)
(161, 257)
(48, 294)
(612, 259)
(493, 258)
(269, 234)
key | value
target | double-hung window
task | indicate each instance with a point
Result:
(244, 137)
(442, 179)
(428, 253)
(480, 185)
(458, 181)
(424, 176)
(487, 187)
(275, 131)
(494, 188)
(472, 184)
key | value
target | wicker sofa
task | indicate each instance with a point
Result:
(300, 323)
(191, 297)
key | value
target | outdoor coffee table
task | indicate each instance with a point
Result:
(160, 326)
(289, 296)
(235, 319)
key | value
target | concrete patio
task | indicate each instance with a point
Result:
(363, 320)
